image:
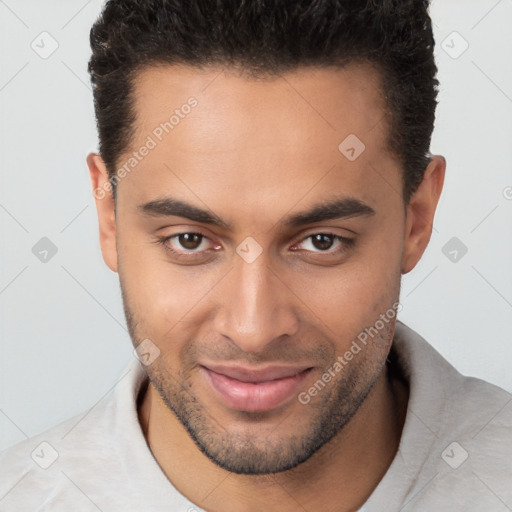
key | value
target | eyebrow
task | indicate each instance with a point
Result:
(340, 208)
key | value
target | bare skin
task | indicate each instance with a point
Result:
(253, 153)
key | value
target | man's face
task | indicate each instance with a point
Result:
(257, 292)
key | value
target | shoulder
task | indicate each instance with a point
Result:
(447, 400)
(40, 470)
(461, 426)
(31, 470)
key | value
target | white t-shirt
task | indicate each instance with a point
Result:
(455, 452)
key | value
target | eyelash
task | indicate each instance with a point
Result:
(347, 243)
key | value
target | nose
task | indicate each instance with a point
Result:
(257, 307)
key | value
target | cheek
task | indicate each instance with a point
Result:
(351, 297)
(163, 295)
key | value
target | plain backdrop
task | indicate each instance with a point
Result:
(63, 339)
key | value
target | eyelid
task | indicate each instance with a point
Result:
(346, 242)
(164, 240)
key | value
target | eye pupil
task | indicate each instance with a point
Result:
(321, 241)
(190, 240)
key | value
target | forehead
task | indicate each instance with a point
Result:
(253, 110)
(259, 136)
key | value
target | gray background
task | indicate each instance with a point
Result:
(63, 340)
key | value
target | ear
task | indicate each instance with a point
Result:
(105, 206)
(420, 213)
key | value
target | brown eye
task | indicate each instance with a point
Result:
(322, 241)
(325, 243)
(184, 243)
(190, 241)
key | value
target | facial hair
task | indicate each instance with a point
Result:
(242, 450)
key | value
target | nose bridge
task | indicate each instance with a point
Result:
(256, 306)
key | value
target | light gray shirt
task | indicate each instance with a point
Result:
(455, 451)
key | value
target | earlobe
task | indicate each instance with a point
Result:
(105, 207)
(420, 213)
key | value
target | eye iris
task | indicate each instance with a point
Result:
(190, 240)
(322, 241)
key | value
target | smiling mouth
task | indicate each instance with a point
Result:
(259, 390)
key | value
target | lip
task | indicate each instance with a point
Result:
(254, 390)
(255, 375)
